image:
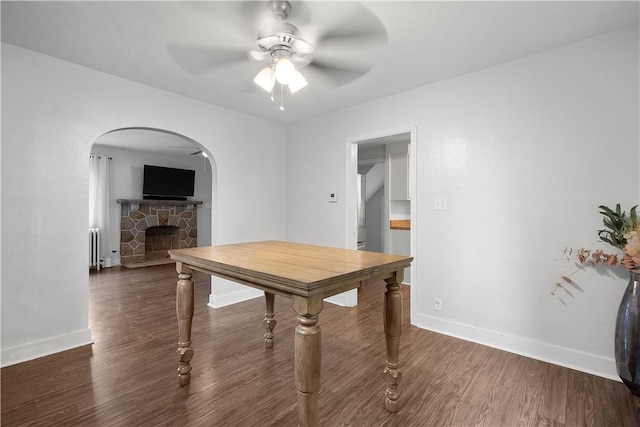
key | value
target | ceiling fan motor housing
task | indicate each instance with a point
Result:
(279, 37)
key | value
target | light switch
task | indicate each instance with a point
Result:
(439, 203)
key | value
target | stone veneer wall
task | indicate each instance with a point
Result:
(138, 215)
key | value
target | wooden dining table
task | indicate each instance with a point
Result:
(306, 274)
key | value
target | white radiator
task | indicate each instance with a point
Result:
(94, 248)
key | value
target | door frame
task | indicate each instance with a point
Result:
(351, 200)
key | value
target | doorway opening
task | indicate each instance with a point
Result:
(381, 202)
(128, 150)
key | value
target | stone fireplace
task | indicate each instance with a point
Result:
(150, 228)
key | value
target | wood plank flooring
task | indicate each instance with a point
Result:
(128, 377)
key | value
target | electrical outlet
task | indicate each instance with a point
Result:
(437, 304)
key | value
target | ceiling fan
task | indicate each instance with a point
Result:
(189, 148)
(330, 48)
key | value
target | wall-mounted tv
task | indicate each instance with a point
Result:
(162, 183)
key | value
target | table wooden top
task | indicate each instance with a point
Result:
(292, 268)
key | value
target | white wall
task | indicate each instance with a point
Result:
(52, 113)
(125, 182)
(525, 152)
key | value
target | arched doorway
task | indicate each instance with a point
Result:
(128, 150)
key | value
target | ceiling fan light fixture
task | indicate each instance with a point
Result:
(285, 70)
(297, 82)
(265, 79)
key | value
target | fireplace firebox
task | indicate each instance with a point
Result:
(150, 228)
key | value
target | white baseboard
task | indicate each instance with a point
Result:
(12, 355)
(579, 361)
(217, 301)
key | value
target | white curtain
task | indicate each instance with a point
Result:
(99, 201)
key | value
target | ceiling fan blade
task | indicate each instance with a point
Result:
(253, 13)
(198, 59)
(355, 28)
(353, 38)
(256, 55)
(186, 148)
(231, 21)
(338, 73)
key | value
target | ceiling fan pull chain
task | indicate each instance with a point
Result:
(281, 97)
(273, 79)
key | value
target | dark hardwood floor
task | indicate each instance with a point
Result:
(128, 377)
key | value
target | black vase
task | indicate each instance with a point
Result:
(627, 340)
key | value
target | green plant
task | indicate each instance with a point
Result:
(617, 225)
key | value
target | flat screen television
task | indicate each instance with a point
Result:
(163, 183)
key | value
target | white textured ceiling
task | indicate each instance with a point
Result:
(427, 42)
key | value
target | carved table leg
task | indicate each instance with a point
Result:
(392, 330)
(184, 310)
(269, 321)
(307, 358)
